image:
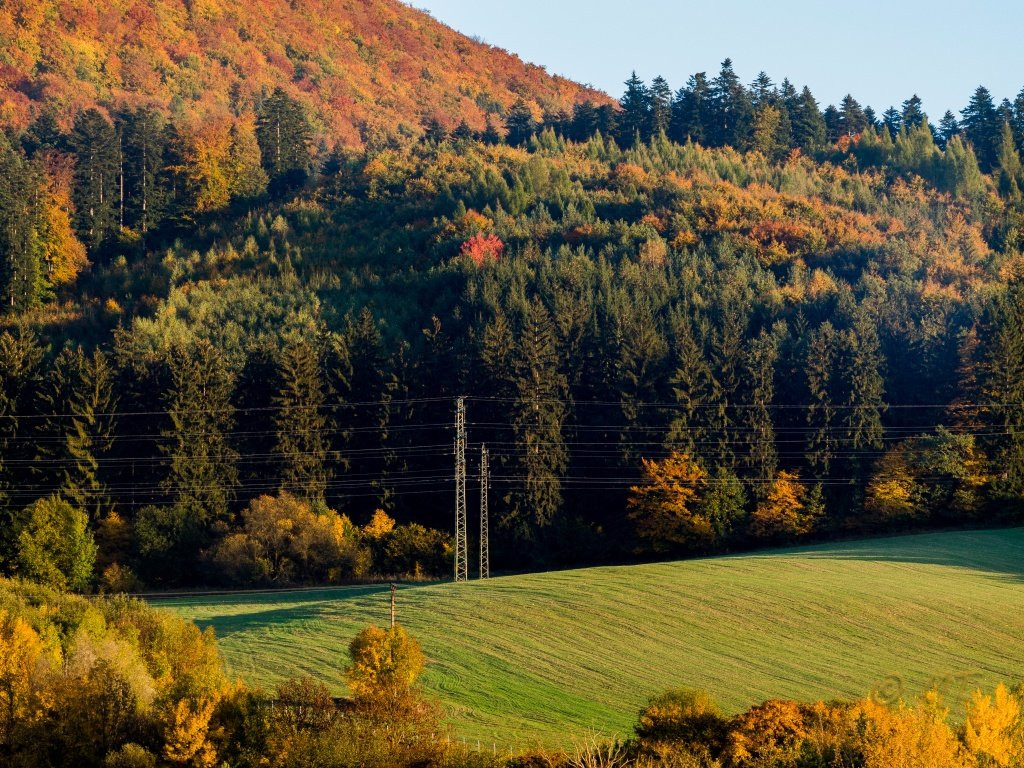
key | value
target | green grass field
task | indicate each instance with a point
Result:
(552, 657)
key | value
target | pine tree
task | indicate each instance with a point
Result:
(301, 421)
(97, 172)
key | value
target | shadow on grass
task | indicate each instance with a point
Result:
(993, 551)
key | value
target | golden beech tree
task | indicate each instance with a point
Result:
(994, 732)
(186, 735)
(22, 659)
(63, 254)
(908, 736)
(385, 664)
(783, 513)
(892, 492)
(665, 507)
(380, 525)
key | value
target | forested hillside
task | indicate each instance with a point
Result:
(700, 321)
(363, 68)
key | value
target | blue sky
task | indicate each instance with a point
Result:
(882, 52)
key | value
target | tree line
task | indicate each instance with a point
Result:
(773, 118)
(811, 344)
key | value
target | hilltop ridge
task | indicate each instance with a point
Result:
(364, 67)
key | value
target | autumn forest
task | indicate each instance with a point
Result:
(248, 268)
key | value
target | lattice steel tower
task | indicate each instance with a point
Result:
(485, 545)
(461, 548)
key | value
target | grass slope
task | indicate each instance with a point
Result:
(548, 657)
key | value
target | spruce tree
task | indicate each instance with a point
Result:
(892, 119)
(852, 119)
(285, 139)
(660, 96)
(762, 91)
(820, 369)
(97, 172)
(693, 388)
(21, 358)
(202, 469)
(691, 111)
(144, 141)
(733, 115)
(759, 363)
(1003, 389)
(913, 113)
(1011, 175)
(87, 432)
(301, 420)
(22, 275)
(948, 128)
(519, 124)
(864, 386)
(364, 378)
(541, 456)
(982, 126)
(634, 120)
(807, 121)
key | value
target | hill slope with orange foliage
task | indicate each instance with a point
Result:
(365, 68)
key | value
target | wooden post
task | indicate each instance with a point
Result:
(393, 588)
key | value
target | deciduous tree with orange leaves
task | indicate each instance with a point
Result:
(665, 507)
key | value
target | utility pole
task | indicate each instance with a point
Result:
(393, 588)
(461, 548)
(485, 534)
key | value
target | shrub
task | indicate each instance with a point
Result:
(685, 719)
(414, 550)
(284, 540)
